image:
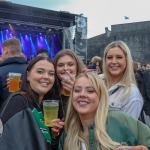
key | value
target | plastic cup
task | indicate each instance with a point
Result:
(14, 81)
(50, 108)
(66, 77)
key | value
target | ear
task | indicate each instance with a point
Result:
(28, 76)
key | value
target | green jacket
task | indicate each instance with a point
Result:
(121, 128)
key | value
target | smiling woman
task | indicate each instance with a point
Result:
(22, 115)
(90, 126)
(120, 81)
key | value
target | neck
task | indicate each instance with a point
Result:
(85, 123)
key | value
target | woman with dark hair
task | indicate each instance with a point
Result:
(21, 124)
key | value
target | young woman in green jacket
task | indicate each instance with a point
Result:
(90, 126)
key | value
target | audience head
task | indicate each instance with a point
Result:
(117, 63)
(67, 61)
(11, 48)
(99, 67)
(42, 52)
(88, 99)
(39, 78)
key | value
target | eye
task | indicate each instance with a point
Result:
(119, 57)
(109, 57)
(51, 73)
(70, 64)
(60, 65)
(39, 71)
(77, 90)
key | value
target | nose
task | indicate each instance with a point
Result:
(65, 67)
(45, 75)
(114, 60)
(82, 93)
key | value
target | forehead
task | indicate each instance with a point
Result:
(66, 58)
(115, 51)
(83, 81)
(43, 64)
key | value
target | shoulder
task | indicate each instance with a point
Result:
(14, 104)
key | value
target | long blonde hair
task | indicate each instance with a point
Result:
(128, 77)
(73, 130)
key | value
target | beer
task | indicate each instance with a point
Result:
(14, 82)
(50, 108)
(66, 93)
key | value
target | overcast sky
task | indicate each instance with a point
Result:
(100, 13)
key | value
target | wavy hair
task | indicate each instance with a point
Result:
(73, 124)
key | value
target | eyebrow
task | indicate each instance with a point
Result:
(44, 69)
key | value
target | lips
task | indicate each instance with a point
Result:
(44, 84)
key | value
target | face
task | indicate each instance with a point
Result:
(98, 68)
(41, 77)
(115, 62)
(85, 98)
(66, 64)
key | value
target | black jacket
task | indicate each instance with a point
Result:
(18, 127)
(12, 64)
(145, 90)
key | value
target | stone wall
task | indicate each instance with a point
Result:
(135, 35)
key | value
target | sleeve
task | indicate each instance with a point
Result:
(143, 134)
(61, 142)
(134, 105)
(145, 86)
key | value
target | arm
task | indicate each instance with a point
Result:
(144, 87)
(134, 103)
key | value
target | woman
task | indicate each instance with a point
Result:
(67, 63)
(22, 125)
(89, 126)
(99, 67)
(120, 81)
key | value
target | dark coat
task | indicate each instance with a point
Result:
(18, 127)
(12, 64)
(145, 90)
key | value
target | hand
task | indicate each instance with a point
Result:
(68, 81)
(58, 125)
(139, 147)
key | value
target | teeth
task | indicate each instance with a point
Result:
(82, 103)
(44, 84)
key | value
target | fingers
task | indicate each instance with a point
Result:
(139, 147)
(58, 125)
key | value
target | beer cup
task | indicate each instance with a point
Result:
(14, 81)
(66, 77)
(50, 108)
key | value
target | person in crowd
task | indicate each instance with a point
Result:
(90, 126)
(93, 62)
(145, 90)
(67, 63)
(21, 118)
(138, 74)
(99, 67)
(120, 80)
(42, 52)
(1, 59)
(147, 66)
(12, 62)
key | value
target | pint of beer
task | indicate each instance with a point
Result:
(14, 81)
(50, 108)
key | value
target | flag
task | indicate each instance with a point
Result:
(125, 17)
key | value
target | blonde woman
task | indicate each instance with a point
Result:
(89, 126)
(120, 81)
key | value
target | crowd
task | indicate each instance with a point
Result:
(103, 111)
